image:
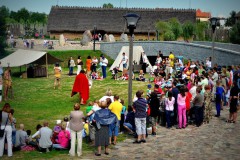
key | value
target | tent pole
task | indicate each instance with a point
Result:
(46, 65)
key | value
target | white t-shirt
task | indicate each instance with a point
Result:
(104, 62)
(208, 63)
(204, 82)
(215, 77)
(95, 61)
(72, 63)
(169, 104)
(124, 59)
(104, 98)
(159, 60)
(193, 91)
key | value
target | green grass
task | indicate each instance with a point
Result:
(36, 101)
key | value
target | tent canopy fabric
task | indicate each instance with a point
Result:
(22, 57)
(137, 54)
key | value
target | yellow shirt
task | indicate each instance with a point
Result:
(116, 108)
(86, 128)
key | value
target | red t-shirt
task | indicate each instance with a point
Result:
(188, 98)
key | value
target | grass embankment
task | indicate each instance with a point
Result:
(35, 99)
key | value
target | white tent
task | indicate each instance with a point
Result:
(137, 53)
(23, 57)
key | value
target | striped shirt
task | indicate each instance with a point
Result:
(140, 107)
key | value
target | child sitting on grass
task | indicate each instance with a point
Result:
(57, 128)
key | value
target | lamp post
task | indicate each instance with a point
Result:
(131, 20)
(94, 38)
(213, 22)
(157, 35)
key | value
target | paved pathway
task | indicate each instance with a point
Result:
(70, 45)
(217, 140)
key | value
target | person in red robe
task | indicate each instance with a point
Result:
(81, 86)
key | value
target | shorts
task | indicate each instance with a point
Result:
(153, 121)
(113, 130)
(140, 124)
(124, 65)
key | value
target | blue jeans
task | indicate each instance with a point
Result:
(113, 129)
(70, 70)
(218, 108)
(168, 117)
(58, 146)
(124, 65)
(104, 71)
(128, 125)
(14, 137)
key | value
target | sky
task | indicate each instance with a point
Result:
(220, 8)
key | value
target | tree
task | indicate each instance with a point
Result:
(231, 20)
(107, 5)
(24, 16)
(188, 30)
(176, 27)
(4, 11)
(2, 33)
(14, 15)
(169, 36)
(235, 34)
(200, 30)
(162, 27)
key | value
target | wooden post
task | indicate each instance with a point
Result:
(46, 65)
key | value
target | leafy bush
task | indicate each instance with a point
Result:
(169, 36)
(200, 30)
(176, 27)
(188, 30)
(162, 27)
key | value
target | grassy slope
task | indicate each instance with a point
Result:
(36, 101)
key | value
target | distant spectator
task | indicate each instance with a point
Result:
(21, 138)
(63, 137)
(6, 121)
(57, 74)
(76, 127)
(71, 65)
(45, 143)
(129, 123)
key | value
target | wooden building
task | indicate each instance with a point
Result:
(73, 21)
(203, 16)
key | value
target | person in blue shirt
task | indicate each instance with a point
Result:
(219, 93)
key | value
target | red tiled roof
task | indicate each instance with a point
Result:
(200, 14)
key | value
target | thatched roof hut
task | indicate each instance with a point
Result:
(110, 20)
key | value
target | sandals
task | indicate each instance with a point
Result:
(106, 153)
(97, 154)
(230, 121)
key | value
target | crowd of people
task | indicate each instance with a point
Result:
(90, 66)
(184, 93)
